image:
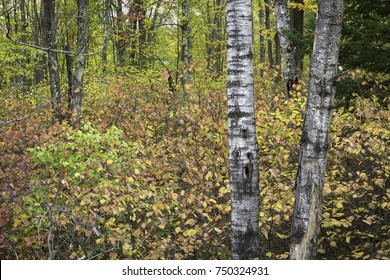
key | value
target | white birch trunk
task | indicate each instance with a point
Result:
(244, 174)
(290, 68)
(315, 135)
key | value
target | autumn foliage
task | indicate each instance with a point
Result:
(146, 175)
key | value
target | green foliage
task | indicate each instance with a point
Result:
(146, 176)
(366, 35)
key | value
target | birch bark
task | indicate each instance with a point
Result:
(290, 68)
(243, 167)
(316, 127)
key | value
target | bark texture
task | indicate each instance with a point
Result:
(244, 172)
(49, 41)
(186, 45)
(290, 68)
(315, 135)
(81, 59)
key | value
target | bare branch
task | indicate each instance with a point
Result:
(48, 49)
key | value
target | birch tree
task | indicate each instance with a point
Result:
(316, 127)
(290, 67)
(243, 167)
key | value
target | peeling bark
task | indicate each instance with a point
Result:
(243, 167)
(315, 135)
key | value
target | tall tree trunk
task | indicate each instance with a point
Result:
(262, 40)
(297, 20)
(23, 40)
(142, 34)
(50, 42)
(106, 23)
(268, 27)
(315, 134)
(278, 57)
(39, 58)
(120, 42)
(186, 45)
(81, 58)
(243, 167)
(216, 23)
(290, 69)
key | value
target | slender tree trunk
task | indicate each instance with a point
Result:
(120, 42)
(315, 135)
(143, 34)
(186, 45)
(297, 20)
(243, 167)
(23, 40)
(268, 27)
(290, 69)
(81, 59)
(216, 23)
(39, 58)
(50, 42)
(262, 40)
(278, 57)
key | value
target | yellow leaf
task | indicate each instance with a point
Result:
(190, 222)
(136, 171)
(136, 232)
(191, 232)
(130, 179)
(223, 190)
(109, 161)
(333, 244)
(209, 175)
(178, 229)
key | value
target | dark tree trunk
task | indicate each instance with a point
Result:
(186, 45)
(315, 133)
(81, 59)
(297, 24)
(39, 58)
(262, 40)
(121, 41)
(278, 58)
(268, 27)
(49, 32)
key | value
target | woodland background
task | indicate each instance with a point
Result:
(144, 175)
